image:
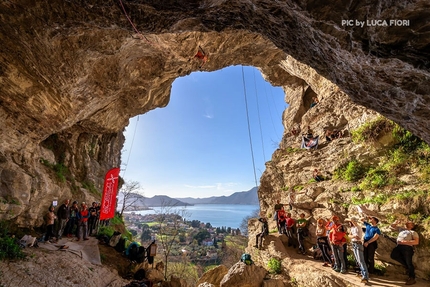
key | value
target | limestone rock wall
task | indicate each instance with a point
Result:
(73, 72)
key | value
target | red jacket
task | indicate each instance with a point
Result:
(281, 215)
(337, 235)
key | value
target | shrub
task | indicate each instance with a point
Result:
(9, 248)
(274, 266)
(351, 171)
(106, 230)
(371, 131)
(351, 260)
(375, 178)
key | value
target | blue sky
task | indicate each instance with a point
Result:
(198, 146)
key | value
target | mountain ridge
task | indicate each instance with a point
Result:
(241, 197)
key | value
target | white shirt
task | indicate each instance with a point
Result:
(407, 235)
(356, 231)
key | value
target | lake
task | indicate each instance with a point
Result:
(228, 215)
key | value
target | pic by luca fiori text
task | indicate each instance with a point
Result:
(377, 23)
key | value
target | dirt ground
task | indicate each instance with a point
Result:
(54, 267)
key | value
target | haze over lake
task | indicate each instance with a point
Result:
(228, 215)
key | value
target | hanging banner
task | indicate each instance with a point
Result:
(107, 209)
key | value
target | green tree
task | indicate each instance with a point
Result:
(202, 235)
(169, 219)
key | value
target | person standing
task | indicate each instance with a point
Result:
(338, 240)
(290, 230)
(301, 232)
(404, 251)
(73, 213)
(83, 216)
(93, 218)
(357, 247)
(322, 241)
(63, 214)
(282, 218)
(278, 207)
(264, 231)
(370, 242)
(49, 221)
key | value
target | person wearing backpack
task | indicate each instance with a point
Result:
(264, 231)
(278, 207)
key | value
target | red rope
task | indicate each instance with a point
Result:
(131, 22)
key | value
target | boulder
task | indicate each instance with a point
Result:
(242, 275)
(213, 276)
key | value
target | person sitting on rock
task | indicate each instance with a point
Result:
(337, 134)
(314, 102)
(328, 134)
(309, 133)
(317, 175)
(264, 231)
(403, 252)
(295, 131)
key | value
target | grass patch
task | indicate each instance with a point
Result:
(350, 171)
(90, 186)
(372, 131)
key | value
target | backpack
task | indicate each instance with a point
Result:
(115, 239)
(246, 258)
(120, 247)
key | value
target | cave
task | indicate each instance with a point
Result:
(79, 70)
(72, 74)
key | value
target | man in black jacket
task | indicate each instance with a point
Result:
(63, 214)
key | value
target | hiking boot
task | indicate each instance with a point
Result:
(86, 238)
(255, 246)
(77, 239)
(343, 271)
(337, 269)
(364, 280)
(410, 281)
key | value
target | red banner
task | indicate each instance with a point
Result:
(107, 209)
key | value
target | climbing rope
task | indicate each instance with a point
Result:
(131, 147)
(249, 126)
(258, 113)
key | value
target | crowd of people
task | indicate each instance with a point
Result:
(73, 220)
(332, 238)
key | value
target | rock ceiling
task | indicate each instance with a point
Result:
(80, 63)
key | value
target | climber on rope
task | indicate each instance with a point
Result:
(202, 56)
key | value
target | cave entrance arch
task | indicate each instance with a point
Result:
(198, 145)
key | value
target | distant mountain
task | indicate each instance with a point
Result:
(164, 200)
(243, 197)
(139, 202)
